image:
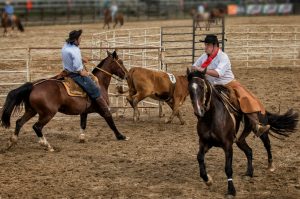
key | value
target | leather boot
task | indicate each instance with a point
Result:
(257, 127)
(103, 107)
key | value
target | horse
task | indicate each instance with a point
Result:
(7, 22)
(213, 16)
(47, 97)
(157, 85)
(119, 18)
(216, 14)
(198, 18)
(217, 126)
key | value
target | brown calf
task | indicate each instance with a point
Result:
(144, 83)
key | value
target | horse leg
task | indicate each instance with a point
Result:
(228, 169)
(103, 110)
(265, 139)
(242, 144)
(29, 113)
(38, 127)
(200, 157)
(83, 119)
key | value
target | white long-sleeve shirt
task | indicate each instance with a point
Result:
(221, 64)
(71, 57)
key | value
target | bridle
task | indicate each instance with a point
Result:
(207, 88)
(111, 75)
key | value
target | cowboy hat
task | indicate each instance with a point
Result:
(210, 39)
(73, 35)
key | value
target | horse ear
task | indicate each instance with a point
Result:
(114, 54)
(205, 70)
(108, 53)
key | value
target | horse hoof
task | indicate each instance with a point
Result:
(271, 167)
(51, 149)
(246, 177)
(82, 138)
(229, 196)
(13, 139)
(209, 181)
(167, 121)
(124, 138)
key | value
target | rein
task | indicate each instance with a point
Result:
(108, 73)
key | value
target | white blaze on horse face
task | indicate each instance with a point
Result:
(196, 105)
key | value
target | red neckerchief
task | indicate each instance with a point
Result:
(210, 58)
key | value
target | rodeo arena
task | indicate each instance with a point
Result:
(159, 127)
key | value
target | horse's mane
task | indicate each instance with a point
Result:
(99, 66)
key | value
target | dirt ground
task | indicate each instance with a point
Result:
(159, 160)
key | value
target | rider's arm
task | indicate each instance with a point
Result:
(224, 64)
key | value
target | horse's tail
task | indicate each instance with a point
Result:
(283, 124)
(14, 100)
(19, 25)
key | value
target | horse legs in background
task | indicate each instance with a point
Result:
(83, 120)
(38, 127)
(106, 24)
(29, 113)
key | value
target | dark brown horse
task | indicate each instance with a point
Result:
(6, 22)
(47, 97)
(217, 126)
(119, 19)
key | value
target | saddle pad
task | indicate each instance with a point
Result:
(72, 88)
(172, 78)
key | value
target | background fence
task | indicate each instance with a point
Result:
(42, 12)
(247, 46)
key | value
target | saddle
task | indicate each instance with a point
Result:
(228, 97)
(70, 85)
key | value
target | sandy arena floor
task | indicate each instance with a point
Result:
(159, 160)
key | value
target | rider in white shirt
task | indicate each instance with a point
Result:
(218, 71)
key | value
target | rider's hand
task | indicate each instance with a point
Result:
(85, 60)
(84, 73)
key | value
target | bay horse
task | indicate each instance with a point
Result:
(6, 22)
(119, 19)
(47, 97)
(217, 126)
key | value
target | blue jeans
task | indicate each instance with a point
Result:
(87, 84)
